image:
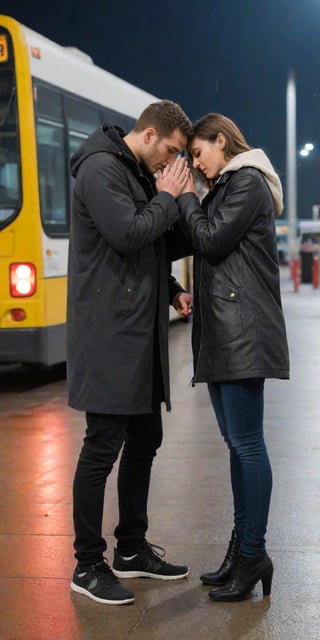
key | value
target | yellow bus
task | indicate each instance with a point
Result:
(51, 98)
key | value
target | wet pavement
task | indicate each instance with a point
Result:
(190, 506)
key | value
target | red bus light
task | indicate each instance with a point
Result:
(18, 315)
(23, 282)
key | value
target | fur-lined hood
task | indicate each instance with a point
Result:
(257, 158)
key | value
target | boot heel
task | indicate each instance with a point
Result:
(266, 583)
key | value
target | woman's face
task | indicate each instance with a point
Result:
(208, 156)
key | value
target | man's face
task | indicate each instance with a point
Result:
(158, 152)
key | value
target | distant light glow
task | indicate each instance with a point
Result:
(304, 152)
(309, 146)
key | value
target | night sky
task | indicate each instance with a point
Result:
(229, 56)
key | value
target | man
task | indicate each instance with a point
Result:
(117, 339)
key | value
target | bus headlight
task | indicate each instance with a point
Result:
(23, 281)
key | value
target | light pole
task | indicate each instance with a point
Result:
(291, 166)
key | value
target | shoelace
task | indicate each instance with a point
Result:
(237, 572)
(154, 547)
(107, 574)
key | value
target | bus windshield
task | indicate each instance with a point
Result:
(10, 190)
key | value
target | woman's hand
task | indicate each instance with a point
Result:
(190, 185)
(173, 177)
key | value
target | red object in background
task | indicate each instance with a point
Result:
(295, 270)
(315, 272)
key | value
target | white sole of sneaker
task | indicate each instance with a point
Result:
(85, 592)
(142, 574)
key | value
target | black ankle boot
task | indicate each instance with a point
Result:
(246, 573)
(222, 575)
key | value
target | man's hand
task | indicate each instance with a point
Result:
(174, 177)
(182, 302)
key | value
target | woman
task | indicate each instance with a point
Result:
(239, 335)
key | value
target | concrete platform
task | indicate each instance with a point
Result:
(190, 506)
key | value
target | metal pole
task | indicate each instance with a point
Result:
(291, 166)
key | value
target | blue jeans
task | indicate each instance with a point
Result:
(238, 406)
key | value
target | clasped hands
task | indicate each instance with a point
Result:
(176, 178)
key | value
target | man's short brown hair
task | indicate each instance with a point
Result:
(165, 116)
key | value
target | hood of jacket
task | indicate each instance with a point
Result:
(107, 138)
(257, 158)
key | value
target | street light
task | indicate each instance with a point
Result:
(304, 153)
(306, 149)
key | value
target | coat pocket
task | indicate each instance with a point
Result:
(226, 320)
(126, 298)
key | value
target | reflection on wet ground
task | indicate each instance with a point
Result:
(190, 506)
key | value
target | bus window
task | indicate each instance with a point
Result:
(82, 120)
(10, 190)
(52, 163)
(75, 139)
(82, 117)
(52, 178)
(49, 103)
(114, 117)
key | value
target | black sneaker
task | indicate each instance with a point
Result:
(147, 564)
(101, 585)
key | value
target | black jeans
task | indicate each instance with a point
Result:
(105, 435)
